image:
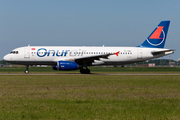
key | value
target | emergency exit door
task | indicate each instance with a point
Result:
(139, 53)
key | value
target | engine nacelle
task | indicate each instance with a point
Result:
(66, 65)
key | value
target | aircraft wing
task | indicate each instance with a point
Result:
(90, 59)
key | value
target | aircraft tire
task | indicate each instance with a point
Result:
(87, 71)
(84, 71)
(26, 71)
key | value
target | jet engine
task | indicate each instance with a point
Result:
(66, 65)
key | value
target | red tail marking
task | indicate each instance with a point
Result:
(117, 53)
(157, 33)
(32, 48)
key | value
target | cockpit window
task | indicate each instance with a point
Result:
(14, 52)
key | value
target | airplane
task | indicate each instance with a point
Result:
(73, 58)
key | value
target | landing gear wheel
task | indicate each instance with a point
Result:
(26, 71)
(87, 71)
(84, 71)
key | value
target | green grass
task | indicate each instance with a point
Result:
(90, 97)
(95, 70)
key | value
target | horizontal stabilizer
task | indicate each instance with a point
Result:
(162, 52)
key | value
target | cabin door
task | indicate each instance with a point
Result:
(26, 53)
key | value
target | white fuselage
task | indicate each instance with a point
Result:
(49, 55)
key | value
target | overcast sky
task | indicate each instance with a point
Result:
(86, 23)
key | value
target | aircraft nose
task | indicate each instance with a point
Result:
(6, 58)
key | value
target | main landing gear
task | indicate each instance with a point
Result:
(84, 71)
(27, 69)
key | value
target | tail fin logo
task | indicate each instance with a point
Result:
(157, 33)
(157, 37)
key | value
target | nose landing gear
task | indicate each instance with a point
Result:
(27, 69)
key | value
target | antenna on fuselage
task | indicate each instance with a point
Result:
(103, 46)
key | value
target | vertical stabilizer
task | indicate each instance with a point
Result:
(157, 38)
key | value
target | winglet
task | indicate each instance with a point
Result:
(117, 53)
